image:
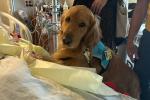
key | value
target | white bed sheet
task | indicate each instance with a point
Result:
(17, 83)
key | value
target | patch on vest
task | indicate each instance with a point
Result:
(103, 53)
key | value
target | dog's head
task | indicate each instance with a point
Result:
(79, 27)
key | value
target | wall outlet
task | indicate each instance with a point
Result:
(28, 3)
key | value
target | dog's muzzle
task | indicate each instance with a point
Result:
(67, 40)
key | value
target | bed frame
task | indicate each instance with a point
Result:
(9, 23)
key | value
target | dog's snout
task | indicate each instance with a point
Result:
(67, 40)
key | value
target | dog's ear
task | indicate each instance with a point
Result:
(94, 33)
(61, 31)
(63, 16)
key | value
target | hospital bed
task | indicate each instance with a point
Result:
(24, 77)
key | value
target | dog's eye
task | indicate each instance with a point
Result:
(82, 24)
(67, 19)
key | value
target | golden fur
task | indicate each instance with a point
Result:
(81, 29)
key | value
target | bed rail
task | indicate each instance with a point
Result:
(9, 23)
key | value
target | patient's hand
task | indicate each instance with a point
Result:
(15, 36)
(97, 6)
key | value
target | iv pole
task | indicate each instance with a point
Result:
(54, 12)
(55, 20)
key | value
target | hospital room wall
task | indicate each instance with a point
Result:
(20, 5)
(11, 6)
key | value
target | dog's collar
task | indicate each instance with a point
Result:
(103, 53)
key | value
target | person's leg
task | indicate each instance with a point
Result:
(108, 22)
(142, 65)
(145, 89)
(87, 3)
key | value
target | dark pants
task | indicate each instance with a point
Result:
(87, 3)
(142, 65)
(108, 22)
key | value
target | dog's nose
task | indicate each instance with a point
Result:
(67, 40)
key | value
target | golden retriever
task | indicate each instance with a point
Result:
(79, 31)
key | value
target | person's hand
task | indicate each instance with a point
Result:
(97, 6)
(132, 51)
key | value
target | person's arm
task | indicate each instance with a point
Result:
(136, 21)
(97, 6)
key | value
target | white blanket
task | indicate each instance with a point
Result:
(16, 83)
